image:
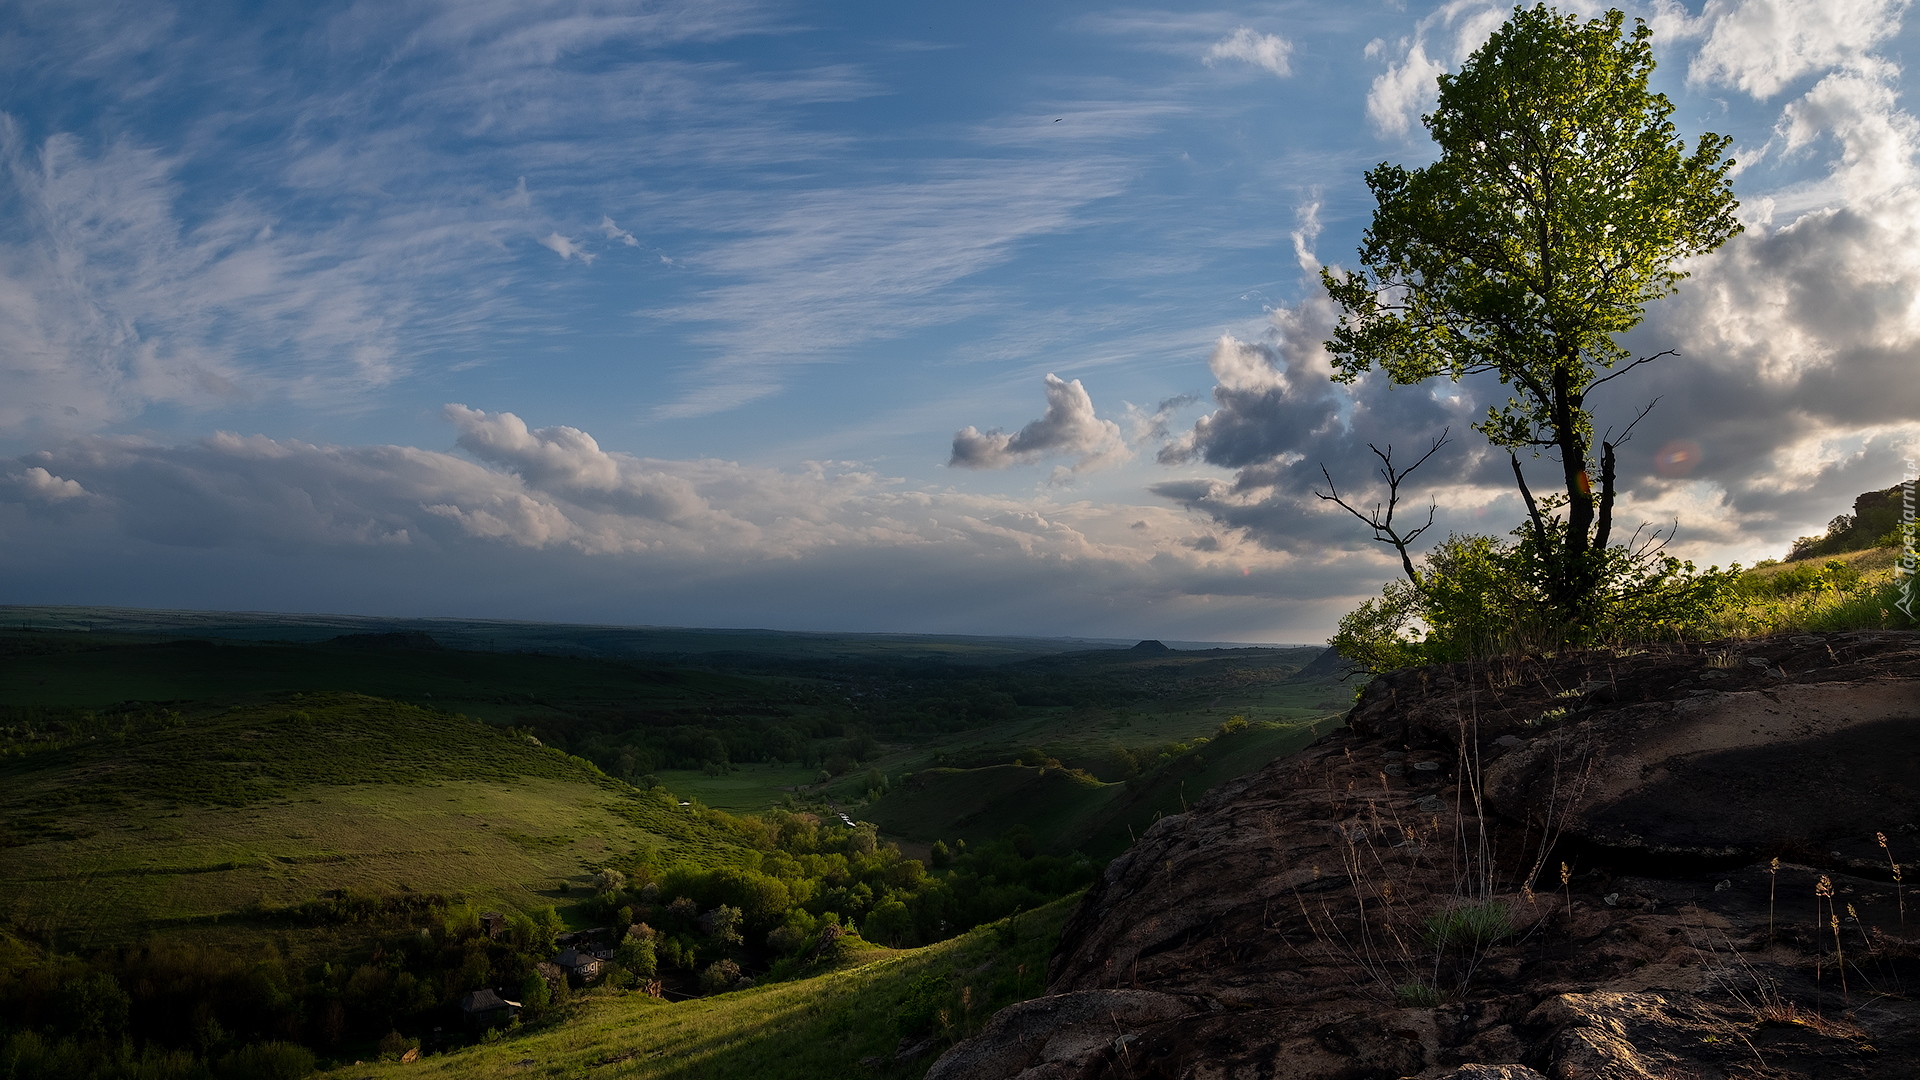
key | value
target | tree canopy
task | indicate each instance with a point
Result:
(1562, 203)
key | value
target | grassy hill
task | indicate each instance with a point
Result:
(248, 842)
(828, 1027)
(176, 820)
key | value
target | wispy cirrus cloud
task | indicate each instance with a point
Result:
(812, 272)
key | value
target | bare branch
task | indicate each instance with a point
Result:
(1533, 508)
(1382, 524)
(1614, 375)
(1628, 434)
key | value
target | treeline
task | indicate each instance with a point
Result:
(176, 1009)
(802, 873)
(28, 729)
(836, 717)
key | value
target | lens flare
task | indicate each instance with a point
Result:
(1677, 458)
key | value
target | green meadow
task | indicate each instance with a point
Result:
(845, 1022)
(196, 822)
(301, 837)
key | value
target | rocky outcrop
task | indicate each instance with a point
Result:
(1392, 903)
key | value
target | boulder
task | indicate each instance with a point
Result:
(1792, 768)
(1654, 846)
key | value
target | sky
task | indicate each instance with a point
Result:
(993, 318)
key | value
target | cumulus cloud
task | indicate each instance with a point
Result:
(1069, 428)
(550, 521)
(1269, 51)
(1400, 94)
(37, 483)
(1802, 334)
(1760, 46)
(1793, 389)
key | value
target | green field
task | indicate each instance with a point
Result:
(818, 1028)
(303, 836)
(201, 819)
(748, 789)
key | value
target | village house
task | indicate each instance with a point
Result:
(483, 1009)
(580, 966)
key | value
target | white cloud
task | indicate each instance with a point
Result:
(549, 518)
(36, 482)
(1407, 88)
(1269, 51)
(823, 270)
(1068, 428)
(615, 232)
(566, 248)
(1759, 46)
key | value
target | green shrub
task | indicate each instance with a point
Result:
(1470, 927)
(266, 1061)
(1479, 596)
(1418, 995)
(919, 1010)
(719, 976)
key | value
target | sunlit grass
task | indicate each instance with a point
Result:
(819, 1028)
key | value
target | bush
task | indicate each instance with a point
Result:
(535, 996)
(1479, 596)
(267, 1061)
(719, 976)
(919, 1009)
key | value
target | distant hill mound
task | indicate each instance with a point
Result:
(1328, 665)
(385, 642)
(1150, 647)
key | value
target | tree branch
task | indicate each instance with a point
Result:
(1533, 508)
(1614, 375)
(1383, 528)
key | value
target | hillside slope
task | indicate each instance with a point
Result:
(181, 821)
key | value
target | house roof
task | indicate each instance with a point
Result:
(482, 1001)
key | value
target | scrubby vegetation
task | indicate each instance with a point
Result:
(1475, 597)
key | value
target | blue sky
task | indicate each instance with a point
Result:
(670, 313)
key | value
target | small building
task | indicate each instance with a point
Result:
(579, 964)
(486, 1009)
(494, 924)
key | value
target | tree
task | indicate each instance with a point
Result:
(1561, 205)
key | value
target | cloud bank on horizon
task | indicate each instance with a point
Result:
(777, 254)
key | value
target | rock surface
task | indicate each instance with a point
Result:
(1391, 902)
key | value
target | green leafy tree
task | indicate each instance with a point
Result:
(1562, 203)
(638, 957)
(535, 996)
